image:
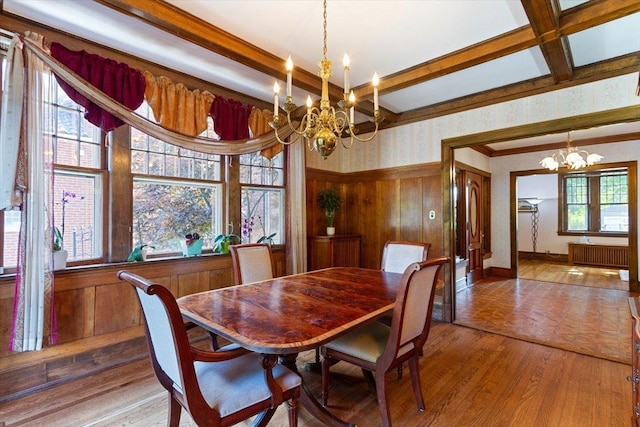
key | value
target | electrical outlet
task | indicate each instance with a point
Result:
(432, 214)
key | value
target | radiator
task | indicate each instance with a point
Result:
(600, 255)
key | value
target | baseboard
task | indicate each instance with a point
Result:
(499, 272)
(548, 257)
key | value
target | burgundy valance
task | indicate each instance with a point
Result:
(230, 118)
(120, 82)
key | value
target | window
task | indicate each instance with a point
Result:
(595, 202)
(78, 177)
(262, 192)
(175, 192)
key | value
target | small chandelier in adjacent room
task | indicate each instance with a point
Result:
(571, 157)
(322, 127)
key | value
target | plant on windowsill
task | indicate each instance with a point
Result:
(192, 245)
(59, 254)
(223, 241)
(247, 229)
(329, 201)
(139, 253)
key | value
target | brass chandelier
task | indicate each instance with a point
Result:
(322, 127)
(571, 157)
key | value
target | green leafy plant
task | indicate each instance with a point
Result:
(329, 201)
(57, 239)
(267, 239)
(136, 254)
(222, 241)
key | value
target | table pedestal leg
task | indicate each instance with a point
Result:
(309, 402)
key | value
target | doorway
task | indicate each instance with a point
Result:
(542, 250)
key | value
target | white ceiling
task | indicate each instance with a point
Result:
(383, 36)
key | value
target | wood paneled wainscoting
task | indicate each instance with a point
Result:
(381, 205)
(99, 319)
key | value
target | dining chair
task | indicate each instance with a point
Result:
(378, 348)
(396, 256)
(252, 262)
(217, 388)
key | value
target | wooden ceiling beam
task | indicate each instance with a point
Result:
(586, 74)
(595, 12)
(633, 136)
(505, 44)
(592, 13)
(545, 24)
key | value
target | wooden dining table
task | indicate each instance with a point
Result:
(291, 314)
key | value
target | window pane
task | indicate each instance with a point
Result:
(152, 156)
(165, 211)
(614, 210)
(262, 214)
(613, 189)
(614, 218)
(11, 235)
(78, 213)
(76, 141)
(577, 218)
(576, 190)
(255, 169)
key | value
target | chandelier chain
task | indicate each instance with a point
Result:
(324, 27)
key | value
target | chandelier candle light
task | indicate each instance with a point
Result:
(571, 157)
(322, 127)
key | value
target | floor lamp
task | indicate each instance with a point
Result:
(535, 215)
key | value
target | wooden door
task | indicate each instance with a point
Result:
(474, 229)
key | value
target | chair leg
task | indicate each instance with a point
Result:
(414, 370)
(292, 410)
(174, 412)
(382, 394)
(370, 380)
(325, 377)
(263, 418)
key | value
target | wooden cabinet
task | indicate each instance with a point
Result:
(333, 251)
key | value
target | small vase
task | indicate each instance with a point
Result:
(194, 249)
(331, 231)
(60, 260)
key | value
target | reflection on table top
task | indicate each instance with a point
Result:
(294, 313)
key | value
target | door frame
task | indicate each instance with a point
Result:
(563, 125)
(632, 173)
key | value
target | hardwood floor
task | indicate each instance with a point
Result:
(595, 277)
(470, 376)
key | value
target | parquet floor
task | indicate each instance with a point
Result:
(580, 317)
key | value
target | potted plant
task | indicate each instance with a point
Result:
(139, 253)
(329, 201)
(222, 242)
(192, 245)
(59, 254)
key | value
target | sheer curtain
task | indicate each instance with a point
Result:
(297, 209)
(33, 314)
(11, 114)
